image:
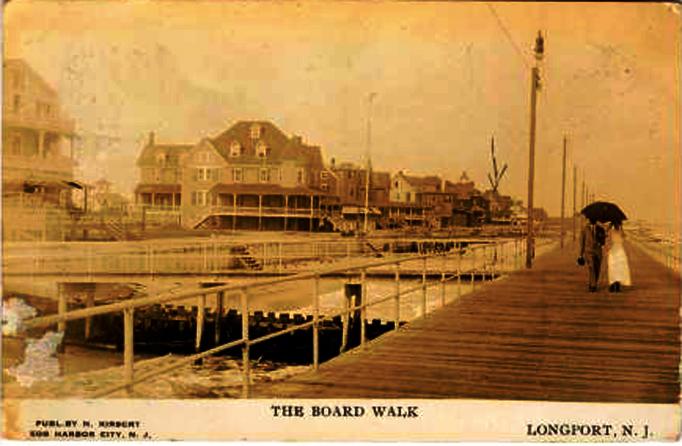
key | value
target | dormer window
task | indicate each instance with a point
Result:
(161, 159)
(235, 149)
(262, 150)
(256, 131)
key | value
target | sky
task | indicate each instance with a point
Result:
(444, 77)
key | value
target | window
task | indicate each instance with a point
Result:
(16, 105)
(324, 175)
(157, 175)
(262, 149)
(408, 196)
(203, 157)
(199, 198)
(237, 174)
(265, 175)
(324, 186)
(203, 174)
(235, 149)
(161, 159)
(16, 145)
(255, 131)
(300, 176)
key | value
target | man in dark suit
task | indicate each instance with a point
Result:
(592, 239)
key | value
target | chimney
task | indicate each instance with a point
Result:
(152, 137)
(297, 139)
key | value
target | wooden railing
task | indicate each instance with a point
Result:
(209, 256)
(487, 261)
(664, 252)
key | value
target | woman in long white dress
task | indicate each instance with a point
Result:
(617, 260)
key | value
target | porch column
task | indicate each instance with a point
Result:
(234, 211)
(286, 210)
(153, 198)
(260, 212)
(173, 199)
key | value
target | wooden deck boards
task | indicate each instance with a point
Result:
(536, 335)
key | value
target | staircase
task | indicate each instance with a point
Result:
(116, 230)
(338, 223)
(243, 254)
(376, 251)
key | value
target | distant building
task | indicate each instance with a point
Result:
(38, 166)
(105, 199)
(405, 188)
(160, 168)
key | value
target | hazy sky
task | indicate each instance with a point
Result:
(447, 76)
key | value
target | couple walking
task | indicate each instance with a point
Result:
(597, 237)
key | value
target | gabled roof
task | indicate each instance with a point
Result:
(282, 147)
(172, 152)
(21, 64)
(420, 182)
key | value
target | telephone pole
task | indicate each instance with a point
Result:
(534, 87)
(563, 192)
(575, 187)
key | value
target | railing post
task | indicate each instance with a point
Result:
(494, 262)
(316, 317)
(396, 301)
(279, 255)
(246, 361)
(424, 287)
(442, 281)
(473, 268)
(363, 307)
(201, 305)
(61, 306)
(89, 302)
(128, 349)
(459, 270)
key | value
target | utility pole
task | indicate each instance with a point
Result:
(575, 186)
(582, 195)
(368, 172)
(534, 87)
(563, 192)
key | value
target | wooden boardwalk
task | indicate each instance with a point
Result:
(535, 335)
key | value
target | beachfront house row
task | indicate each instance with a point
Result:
(254, 176)
(37, 150)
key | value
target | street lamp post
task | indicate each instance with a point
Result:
(368, 171)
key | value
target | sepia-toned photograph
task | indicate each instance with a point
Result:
(402, 221)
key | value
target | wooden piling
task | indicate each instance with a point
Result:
(246, 361)
(128, 348)
(220, 298)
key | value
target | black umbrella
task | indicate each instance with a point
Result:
(604, 212)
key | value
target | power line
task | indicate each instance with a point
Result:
(509, 37)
